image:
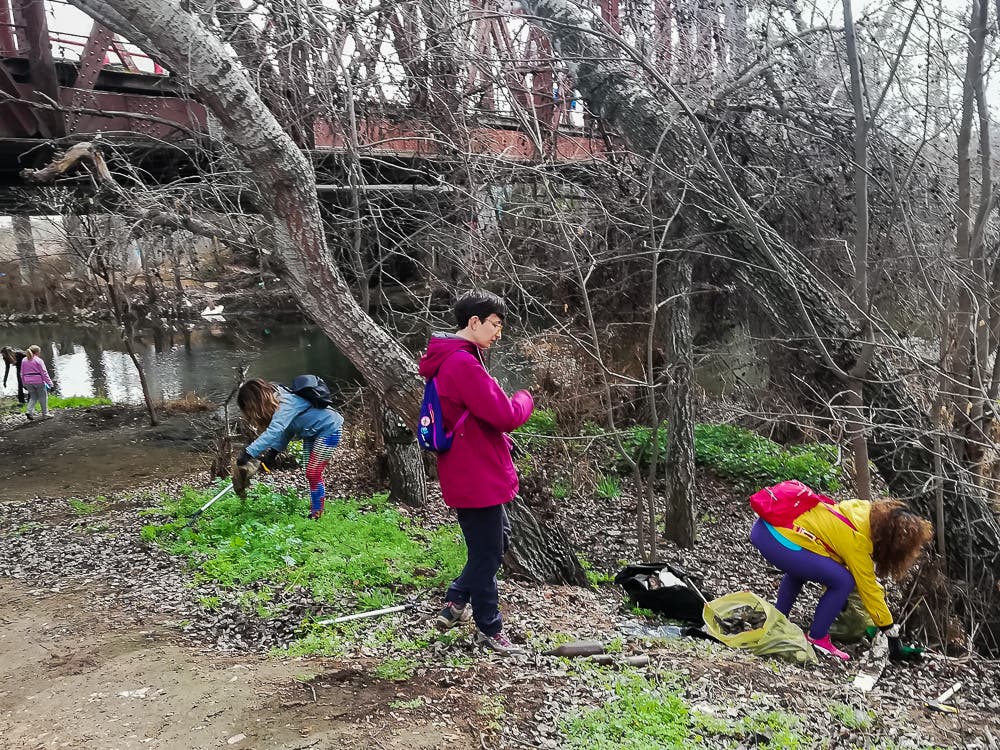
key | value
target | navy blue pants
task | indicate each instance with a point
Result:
(487, 536)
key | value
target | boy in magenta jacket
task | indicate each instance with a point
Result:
(477, 474)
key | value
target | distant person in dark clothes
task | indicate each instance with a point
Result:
(13, 358)
(477, 474)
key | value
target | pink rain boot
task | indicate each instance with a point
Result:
(825, 644)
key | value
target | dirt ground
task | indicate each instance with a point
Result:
(74, 678)
(89, 452)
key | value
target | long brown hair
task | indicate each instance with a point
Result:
(898, 537)
(258, 400)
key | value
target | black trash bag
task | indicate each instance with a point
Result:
(662, 587)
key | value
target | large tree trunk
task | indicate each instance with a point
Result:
(679, 461)
(786, 290)
(404, 461)
(539, 548)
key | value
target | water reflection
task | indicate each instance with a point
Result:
(91, 360)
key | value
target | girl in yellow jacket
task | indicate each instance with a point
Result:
(841, 546)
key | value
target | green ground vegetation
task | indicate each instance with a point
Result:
(361, 551)
(745, 458)
(10, 405)
(648, 712)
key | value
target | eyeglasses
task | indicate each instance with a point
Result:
(497, 325)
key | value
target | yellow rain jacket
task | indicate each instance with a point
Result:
(820, 531)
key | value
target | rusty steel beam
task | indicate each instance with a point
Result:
(41, 64)
(611, 12)
(17, 119)
(92, 57)
(124, 55)
(90, 66)
(412, 139)
(20, 25)
(8, 45)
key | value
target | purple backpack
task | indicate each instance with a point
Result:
(431, 433)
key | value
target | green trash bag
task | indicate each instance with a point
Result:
(744, 620)
(851, 624)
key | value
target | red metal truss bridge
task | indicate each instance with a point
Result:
(59, 85)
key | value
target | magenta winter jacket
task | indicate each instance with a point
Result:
(34, 372)
(477, 471)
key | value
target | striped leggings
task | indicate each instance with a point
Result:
(320, 451)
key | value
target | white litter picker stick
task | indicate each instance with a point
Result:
(206, 506)
(363, 615)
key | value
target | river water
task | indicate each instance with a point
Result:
(90, 360)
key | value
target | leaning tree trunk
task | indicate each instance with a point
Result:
(539, 549)
(288, 183)
(776, 275)
(679, 462)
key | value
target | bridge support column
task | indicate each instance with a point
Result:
(41, 65)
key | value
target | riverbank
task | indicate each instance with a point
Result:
(120, 643)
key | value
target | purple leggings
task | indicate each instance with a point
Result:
(800, 565)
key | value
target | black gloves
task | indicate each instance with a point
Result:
(244, 458)
(267, 457)
(897, 650)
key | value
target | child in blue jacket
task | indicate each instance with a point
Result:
(280, 416)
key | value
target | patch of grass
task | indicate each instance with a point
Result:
(209, 603)
(492, 709)
(367, 551)
(77, 402)
(748, 459)
(560, 489)
(642, 612)
(851, 717)
(410, 704)
(83, 508)
(595, 577)
(640, 715)
(10, 405)
(650, 713)
(608, 487)
(398, 669)
(533, 434)
(360, 555)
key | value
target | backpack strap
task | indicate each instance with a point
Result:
(465, 414)
(809, 535)
(459, 423)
